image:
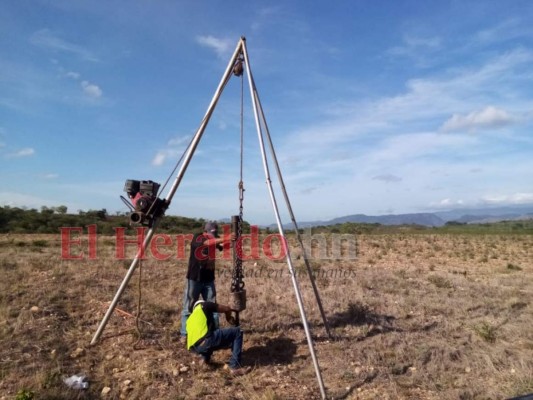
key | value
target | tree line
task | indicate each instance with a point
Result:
(51, 219)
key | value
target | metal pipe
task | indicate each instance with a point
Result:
(172, 191)
(280, 226)
(293, 218)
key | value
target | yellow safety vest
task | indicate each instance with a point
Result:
(196, 326)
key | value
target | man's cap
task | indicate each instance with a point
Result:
(212, 228)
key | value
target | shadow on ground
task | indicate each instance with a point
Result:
(273, 351)
(359, 314)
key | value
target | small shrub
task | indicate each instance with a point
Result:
(513, 267)
(24, 394)
(440, 282)
(486, 331)
(358, 312)
(401, 274)
(40, 243)
(51, 379)
(519, 305)
(8, 265)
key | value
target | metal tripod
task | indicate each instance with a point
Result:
(261, 126)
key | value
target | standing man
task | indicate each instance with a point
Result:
(203, 337)
(201, 270)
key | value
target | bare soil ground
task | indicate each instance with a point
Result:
(414, 317)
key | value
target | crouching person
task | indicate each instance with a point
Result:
(204, 338)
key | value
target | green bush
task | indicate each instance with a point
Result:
(24, 394)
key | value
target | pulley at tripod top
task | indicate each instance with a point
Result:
(238, 68)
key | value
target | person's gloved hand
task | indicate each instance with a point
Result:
(231, 319)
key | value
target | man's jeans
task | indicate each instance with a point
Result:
(193, 290)
(226, 338)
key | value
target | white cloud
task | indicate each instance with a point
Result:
(389, 178)
(412, 45)
(448, 203)
(178, 141)
(13, 199)
(488, 118)
(160, 158)
(175, 147)
(516, 198)
(25, 152)
(422, 51)
(399, 134)
(414, 145)
(72, 75)
(221, 46)
(49, 176)
(91, 89)
(411, 41)
(508, 29)
(425, 101)
(47, 40)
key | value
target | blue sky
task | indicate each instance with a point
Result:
(374, 107)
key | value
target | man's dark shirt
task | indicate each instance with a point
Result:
(201, 260)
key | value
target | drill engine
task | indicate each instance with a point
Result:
(146, 204)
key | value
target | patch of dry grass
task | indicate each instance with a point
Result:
(414, 317)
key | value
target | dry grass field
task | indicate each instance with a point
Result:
(415, 316)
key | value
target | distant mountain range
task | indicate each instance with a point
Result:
(467, 215)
